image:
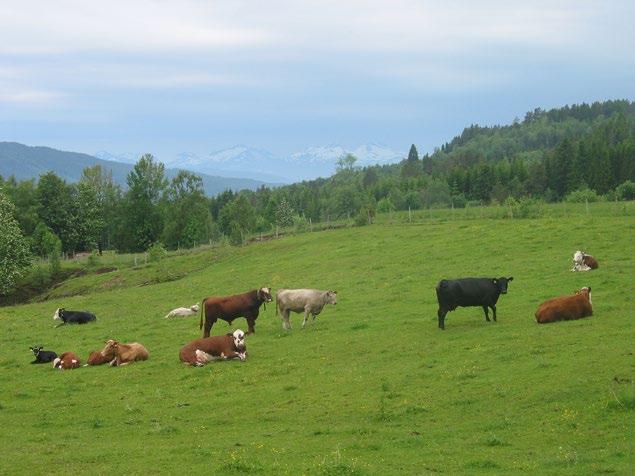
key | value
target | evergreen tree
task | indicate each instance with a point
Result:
(14, 249)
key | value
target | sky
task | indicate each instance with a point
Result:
(197, 76)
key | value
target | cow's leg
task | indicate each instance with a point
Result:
(234, 355)
(285, 320)
(493, 306)
(486, 313)
(441, 315)
(208, 326)
(251, 325)
(306, 316)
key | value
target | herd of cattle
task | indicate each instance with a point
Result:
(451, 293)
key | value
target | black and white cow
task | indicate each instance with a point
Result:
(483, 292)
(42, 356)
(73, 317)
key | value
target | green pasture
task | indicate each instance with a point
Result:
(372, 387)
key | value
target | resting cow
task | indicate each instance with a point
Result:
(106, 355)
(125, 353)
(309, 301)
(67, 361)
(566, 308)
(72, 317)
(200, 351)
(42, 356)
(183, 311)
(465, 292)
(228, 308)
(584, 262)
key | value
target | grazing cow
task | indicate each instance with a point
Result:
(125, 353)
(67, 361)
(183, 311)
(228, 308)
(200, 351)
(566, 308)
(309, 301)
(72, 317)
(465, 292)
(42, 356)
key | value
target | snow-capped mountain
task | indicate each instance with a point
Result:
(127, 158)
(260, 164)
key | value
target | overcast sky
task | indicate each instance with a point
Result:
(173, 76)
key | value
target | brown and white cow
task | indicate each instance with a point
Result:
(228, 308)
(67, 361)
(200, 351)
(98, 358)
(566, 308)
(308, 301)
(584, 262)
(125, 353)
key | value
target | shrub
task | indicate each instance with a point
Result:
(385, 205)
(582, 195)
(93, 259)
(625, 191)
(157, 252)
(300, 224)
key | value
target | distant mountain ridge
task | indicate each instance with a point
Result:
(261, 164)
(26, 162)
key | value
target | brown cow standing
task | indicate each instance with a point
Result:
(228, 308)
(67, 361)
(125, 353)
(200, 351)
(566, 308)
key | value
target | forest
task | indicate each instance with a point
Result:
(583, 152)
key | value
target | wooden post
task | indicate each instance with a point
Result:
(276, 231)
(135, 261)
(586, 202)
(409, 215)
(310, 225)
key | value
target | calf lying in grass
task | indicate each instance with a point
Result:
(125, 353)
(67, 361)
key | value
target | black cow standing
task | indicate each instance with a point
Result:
(484, 292)
(42, 356)
(73, 317)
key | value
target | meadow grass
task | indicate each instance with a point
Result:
(372, 387)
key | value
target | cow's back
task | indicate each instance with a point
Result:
(465, 292)
(564, 308)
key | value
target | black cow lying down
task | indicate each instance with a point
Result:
(72, 317)
(42, 356)
(484, 292)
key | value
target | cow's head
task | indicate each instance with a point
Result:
(502, 283)
(58, 314)
(194, 307)
(586, 291)
(57, 363)
(331, 297)
(111, 347)
(36, 350)
(239, 339)
(264, 294)
(578, 257)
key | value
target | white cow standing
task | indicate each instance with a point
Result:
(309, 301)
(183, 311)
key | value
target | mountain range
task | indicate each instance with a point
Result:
(25, 162)
(261, 164)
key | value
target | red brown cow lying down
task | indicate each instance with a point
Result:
(125, 353)
(200, 351)
(566, 308)
(66, 361)
(228, 308)
(98, 358)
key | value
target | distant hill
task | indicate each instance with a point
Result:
(25, 162)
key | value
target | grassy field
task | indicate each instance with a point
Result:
(372, 387)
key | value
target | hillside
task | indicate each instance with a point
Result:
(25, 162)
(372, 387)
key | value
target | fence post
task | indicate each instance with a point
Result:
(310, 225)
(276, 231)
(409, 215)
(586, 202)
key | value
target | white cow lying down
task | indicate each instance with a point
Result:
(183, 311)
(583, 262)
(309, 301)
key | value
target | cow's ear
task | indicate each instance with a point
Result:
(494, 280)
(511, 278)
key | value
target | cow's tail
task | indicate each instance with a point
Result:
(200, 325)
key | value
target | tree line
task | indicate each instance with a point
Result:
(587, 150)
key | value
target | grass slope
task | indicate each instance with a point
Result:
(373, 387)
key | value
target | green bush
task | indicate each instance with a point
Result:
(93, 259)
(582, 195)
(157, 252)
(300, 224)
(625, 191)
(385, 205)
